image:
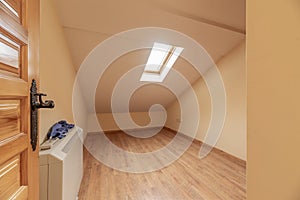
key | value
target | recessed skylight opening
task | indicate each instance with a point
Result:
(160, 61)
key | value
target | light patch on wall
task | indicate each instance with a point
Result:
(160, 61)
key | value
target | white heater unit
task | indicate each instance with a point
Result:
(61, 168)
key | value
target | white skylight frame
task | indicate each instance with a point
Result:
(160, 61)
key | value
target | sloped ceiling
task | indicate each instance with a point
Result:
(218, 25)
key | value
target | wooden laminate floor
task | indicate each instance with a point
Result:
(218, 176)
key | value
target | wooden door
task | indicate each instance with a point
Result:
(19, 42)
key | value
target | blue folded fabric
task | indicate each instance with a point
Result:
(59, 130)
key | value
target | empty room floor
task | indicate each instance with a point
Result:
(217, 176)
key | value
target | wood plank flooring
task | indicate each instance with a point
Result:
(218, 176)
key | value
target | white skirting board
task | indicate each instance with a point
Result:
(61, 168)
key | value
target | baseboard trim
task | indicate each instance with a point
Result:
(195, 141)
(215, 149)
(132, 129)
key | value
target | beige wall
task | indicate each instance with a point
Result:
(108, 123)
(273, 99)
(233, 138)
(57, 73)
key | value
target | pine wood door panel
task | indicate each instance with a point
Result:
(9, 177)
(19, 36)
(9, 54)
(13, 146)
(21, 194)
(9, 118)
(13, 8)
(15, 30)
(12, 87)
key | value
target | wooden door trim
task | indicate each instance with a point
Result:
(33, 24)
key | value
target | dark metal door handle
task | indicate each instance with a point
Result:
(36, 102)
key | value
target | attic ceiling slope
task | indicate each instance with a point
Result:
(218, 25)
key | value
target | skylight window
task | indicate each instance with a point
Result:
(160, 61)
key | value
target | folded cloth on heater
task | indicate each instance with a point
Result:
(59, 130)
